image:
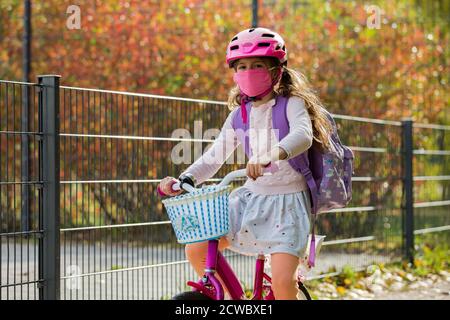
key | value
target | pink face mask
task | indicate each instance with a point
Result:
(253, 82)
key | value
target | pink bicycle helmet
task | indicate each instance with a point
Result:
(256, 42)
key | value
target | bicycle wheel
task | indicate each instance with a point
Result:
(190, 295)
(303, 293)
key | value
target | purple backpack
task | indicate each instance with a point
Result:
(328, 174)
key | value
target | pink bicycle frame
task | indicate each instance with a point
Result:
(211, 286)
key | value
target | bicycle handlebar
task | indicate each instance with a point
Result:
(176, 186)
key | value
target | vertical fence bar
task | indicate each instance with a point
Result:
(25, 161)
(408, 189)
(49, 266)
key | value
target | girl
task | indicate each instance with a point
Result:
(269, 214)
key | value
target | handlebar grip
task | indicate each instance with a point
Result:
(174, 186)
(160, 192)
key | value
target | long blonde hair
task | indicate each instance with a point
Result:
(294, 83)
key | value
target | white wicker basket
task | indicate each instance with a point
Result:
(200, 215)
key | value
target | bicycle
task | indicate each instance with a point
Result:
(190, 228)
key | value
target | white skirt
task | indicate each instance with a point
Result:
(265, 224)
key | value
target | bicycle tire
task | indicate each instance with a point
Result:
(303, 290)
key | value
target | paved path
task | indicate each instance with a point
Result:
(163, 276)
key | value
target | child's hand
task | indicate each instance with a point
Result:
(254, 170)
(165, 186)
(255, 166)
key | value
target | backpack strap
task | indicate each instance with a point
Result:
(304, 168)
(238, 123)
(279, 117)
(309, 178)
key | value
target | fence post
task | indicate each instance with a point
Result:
(255, 6)
(25, 158)
(49, 253)
(408, 189)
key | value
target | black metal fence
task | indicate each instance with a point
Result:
(80, 218)
(29, 196)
